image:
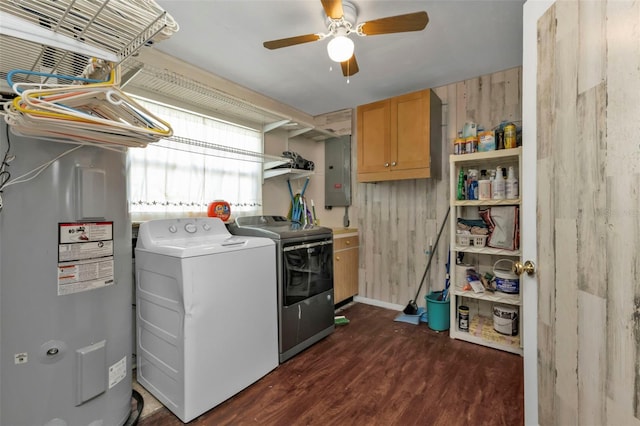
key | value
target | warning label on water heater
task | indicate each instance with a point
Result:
(85, 256)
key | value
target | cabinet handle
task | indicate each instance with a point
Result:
(386, 164)
(337, 257)
(347, 242)
(393, 163)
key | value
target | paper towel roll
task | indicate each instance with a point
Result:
(461, 273)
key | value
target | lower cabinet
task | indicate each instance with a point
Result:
(345, 266)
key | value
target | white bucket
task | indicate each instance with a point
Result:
(506, 280)
(505, 319)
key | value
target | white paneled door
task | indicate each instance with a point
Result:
(533, 10)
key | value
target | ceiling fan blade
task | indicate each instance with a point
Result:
(396, 24)
(291, 41)
(350, 67)
(333, 8)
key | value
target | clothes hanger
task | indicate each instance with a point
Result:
(16, 86)
(53, 129)
(125, 106)
(103, 105)
(98, 110)
(95, 67)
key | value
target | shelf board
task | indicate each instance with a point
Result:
(268, 165)
(489, 155)
(497, 297)
(290, 173)
(487, 250)
(481, 332)
(486, 203)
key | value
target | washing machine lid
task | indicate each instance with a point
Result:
(191, 237)
(276, 227)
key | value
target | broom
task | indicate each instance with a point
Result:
(412, 306)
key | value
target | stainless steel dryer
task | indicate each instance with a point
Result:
(304, 256)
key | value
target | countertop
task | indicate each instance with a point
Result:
(344, 232)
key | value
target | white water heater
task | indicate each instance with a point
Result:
(65, 286)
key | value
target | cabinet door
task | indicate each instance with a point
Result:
(373, 137)
(345, 268)
(410, 131)
(340, 277)
(351, 259)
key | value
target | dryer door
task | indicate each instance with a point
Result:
(307, 270)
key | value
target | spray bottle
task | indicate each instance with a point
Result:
(498, 185)
(461, 184)
(511, 186)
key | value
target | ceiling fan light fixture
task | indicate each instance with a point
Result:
(340, 48)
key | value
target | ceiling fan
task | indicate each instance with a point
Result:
(341, 18)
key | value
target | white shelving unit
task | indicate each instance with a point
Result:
(481, 304)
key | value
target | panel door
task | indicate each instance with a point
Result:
(373, 137)
(410, 131)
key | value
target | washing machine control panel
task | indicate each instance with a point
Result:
(159, 232)
(190, 228)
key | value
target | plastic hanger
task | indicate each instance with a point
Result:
(97, 111)
(52, 129)
(103, 105)
(16, 87)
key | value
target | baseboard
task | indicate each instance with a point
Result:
(379, 303)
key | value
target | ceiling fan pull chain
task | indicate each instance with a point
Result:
(348, 71)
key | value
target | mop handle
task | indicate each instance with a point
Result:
(431, 254)
(290, 191)
(304, 187)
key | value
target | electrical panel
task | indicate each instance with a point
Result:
(337, 160)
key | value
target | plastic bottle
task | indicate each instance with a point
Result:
(484, 186)
(472, 187)
(510, 136)
(461, 181)
(498, 185)
(500, 136)
(511, 185)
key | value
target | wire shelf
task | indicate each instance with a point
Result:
(60, 37)
(223, 151)
(173, 85)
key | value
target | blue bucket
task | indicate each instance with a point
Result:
(438, 311)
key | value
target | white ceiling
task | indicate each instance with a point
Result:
(463, 39)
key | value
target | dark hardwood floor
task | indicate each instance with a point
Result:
(375, 371)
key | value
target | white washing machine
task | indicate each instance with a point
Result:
(207, 323)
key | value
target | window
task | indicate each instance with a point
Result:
(180, 176)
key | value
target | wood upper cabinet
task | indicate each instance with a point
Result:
(400, 137)
(374, 131)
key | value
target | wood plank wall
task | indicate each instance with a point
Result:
(588, 166)
(397, 220)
